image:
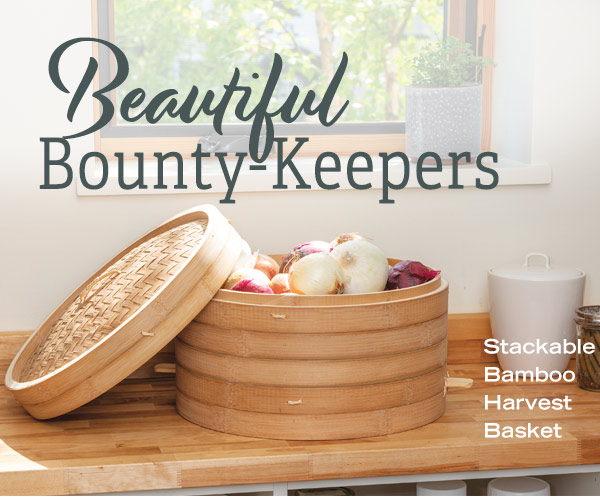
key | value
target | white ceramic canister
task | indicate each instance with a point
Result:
(534, 301)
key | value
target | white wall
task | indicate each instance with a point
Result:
(52, 240)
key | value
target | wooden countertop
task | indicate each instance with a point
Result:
(131, 438)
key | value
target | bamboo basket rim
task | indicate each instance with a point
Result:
(244, 343)
(443, 286)
(311, 400)
(336, 333)
(304, 426)
(327, 373)
(372, 297)
(203, 212)
(285, 332)
(315, 387)
(328, 360)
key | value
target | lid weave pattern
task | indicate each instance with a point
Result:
(113, 297)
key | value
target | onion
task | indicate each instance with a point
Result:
(302, 250)
(289, 260)
(317, 274)
(245, 261)
(245, 274)
(346, 237)
(267, 265)
(409, 273)
(280, 283)
(364, 265)
(252, 286)
(245, 248)
(314, 247)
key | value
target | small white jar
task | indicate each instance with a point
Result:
(533, 301)
(454, 487)
(520, 485)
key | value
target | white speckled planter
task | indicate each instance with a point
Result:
(443, 120)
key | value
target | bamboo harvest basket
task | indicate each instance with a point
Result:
(124, 313)
(315, 367)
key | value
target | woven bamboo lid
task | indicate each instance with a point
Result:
(124, 313)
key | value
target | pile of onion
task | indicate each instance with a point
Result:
(349, 264)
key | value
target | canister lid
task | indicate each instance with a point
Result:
(537, 267)
(588, 315)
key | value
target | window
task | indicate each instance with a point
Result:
(181, 43)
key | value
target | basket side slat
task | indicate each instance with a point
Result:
(312, 426)
(310, 400)
(325, 372)
(330, 319)
(316, 345)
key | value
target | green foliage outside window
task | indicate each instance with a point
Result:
(181, 43)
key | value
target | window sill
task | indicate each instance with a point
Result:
(509, 172)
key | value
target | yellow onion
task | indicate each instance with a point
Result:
(280, 283)
(245, 274)
(267, 265)
(317, 274)
(364, 265)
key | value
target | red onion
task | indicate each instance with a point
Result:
(409, 273)
(313, 247)
(302, 250)
(245, 274)
(252, 286)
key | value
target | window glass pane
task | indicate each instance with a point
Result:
(181, 43)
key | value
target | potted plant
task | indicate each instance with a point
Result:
(443, 105)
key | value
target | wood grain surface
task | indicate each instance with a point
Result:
(131, 438)
(466, 334)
